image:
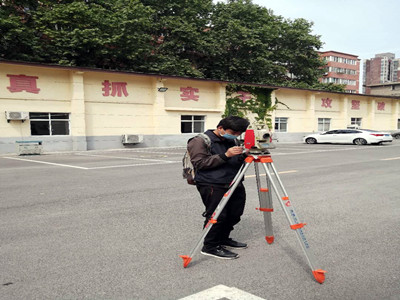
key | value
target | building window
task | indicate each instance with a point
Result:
(342, 60)
(49, 123)
(281, 124)
(356, 121)
(341, 81)
(324, 124)
(192, 124)
(398, 123)
(342, 70)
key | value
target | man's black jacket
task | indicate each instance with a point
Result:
(212, 166)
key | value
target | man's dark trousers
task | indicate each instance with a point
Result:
(230, 215)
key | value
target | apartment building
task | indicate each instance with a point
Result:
(342, 68)
(382, 69)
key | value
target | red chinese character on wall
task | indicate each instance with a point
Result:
(188, 93)
(355, 104)
(244, 96)
(326, 102)
(116, 88)
(381, 105)
(19, 83)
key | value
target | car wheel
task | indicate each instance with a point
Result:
(311, 141)
(397, 136)
(360, 141)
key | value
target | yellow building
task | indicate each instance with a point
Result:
(315, 111)
(77, 109)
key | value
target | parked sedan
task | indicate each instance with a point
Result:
(346, 136)
(387, 137)
(396, 135)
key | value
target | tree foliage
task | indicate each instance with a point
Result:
(17, 33)
(180, 32)
(259, 107)
(234, 41)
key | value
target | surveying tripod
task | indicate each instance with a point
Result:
(265, 198)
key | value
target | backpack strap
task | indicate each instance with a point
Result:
(205, 138)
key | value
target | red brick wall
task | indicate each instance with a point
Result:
(355, 67)
(373, 69)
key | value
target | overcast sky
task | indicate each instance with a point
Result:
(360, 27)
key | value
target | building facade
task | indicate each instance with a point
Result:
(342, 68)
(77, 109)
(313, 111)
(386, 89)
(382, 69)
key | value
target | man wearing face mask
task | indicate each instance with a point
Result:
(215, 168)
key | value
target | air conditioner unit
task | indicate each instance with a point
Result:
(17, 115)
(132, 139)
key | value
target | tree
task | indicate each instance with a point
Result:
(253, 45)
(235, 41)
(243, 36)
(17, 37)
(104, 34)
(181, 36)
(296, 51)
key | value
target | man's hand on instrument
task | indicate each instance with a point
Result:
(234, 151)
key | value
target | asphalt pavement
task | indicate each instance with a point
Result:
(112, 224)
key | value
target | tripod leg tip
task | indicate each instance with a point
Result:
(186, 260)
(319, 275)
(270, 239)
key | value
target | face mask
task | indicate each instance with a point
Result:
(229, 136)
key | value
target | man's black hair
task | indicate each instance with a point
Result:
(234, 123)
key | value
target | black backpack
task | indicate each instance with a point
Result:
(188, 171)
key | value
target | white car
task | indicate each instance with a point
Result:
(346, 136)
(387, 137)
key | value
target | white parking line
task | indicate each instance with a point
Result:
(47, 163)
(128, 158)
(292, 148)
(392, 158)
(159, 161)
(326, 150)
(156, 162)
(222, 292)
(283, 172)
(131, 165)
(157, 152)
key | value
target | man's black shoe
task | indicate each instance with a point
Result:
(219, 252)
(233, 244)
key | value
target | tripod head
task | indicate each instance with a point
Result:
(258, 141)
